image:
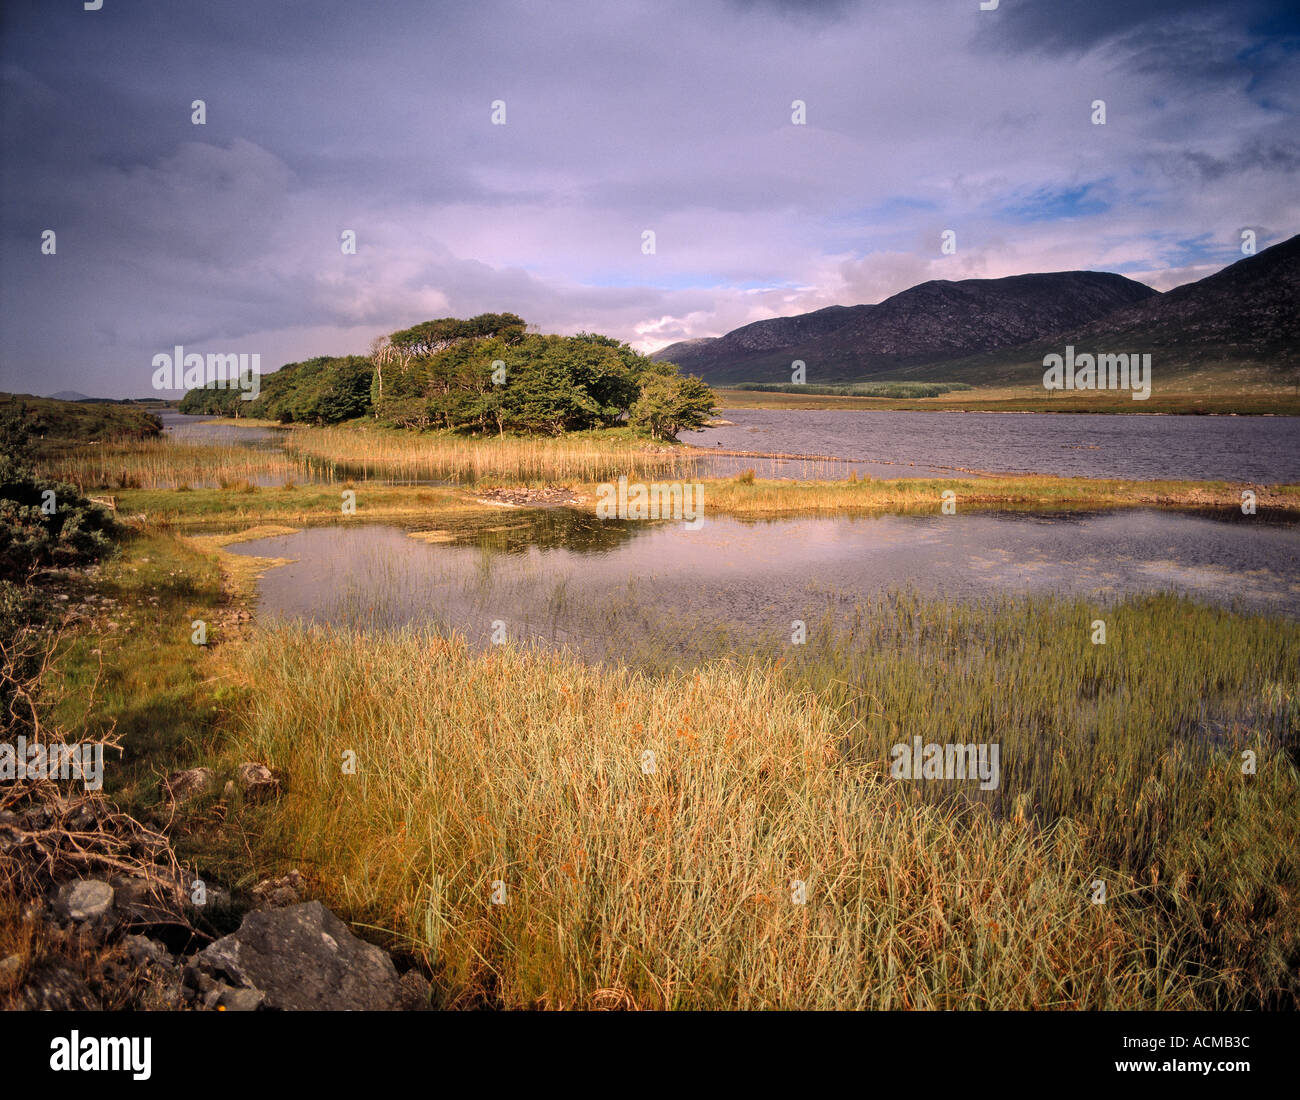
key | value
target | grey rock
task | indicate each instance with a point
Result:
(184, 786)
(143, 951)
(277, 893)
(88, 899)
(240, 1000)
(302, 958)
(56, 987)
(256, 782)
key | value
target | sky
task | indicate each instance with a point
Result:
(620, 117)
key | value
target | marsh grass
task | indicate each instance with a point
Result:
(747, 496)
(433, 456)
(169, 464)
(673, 889)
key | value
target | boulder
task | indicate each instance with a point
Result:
(87, 899)
(185, 786)
(256, 782)
(301, 958)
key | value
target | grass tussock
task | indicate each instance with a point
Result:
(670, 886)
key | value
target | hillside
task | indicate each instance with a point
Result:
(932, 322)
(82, 422)
(1239, 326)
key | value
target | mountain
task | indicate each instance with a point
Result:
(996, 331)
(69, 395)
(933, 322)
(1241, 322)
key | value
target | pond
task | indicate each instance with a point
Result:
(562, 577)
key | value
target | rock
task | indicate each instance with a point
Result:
(415, 992)
(240, 1000)
(143, 951)
(277, 893)
(184, 786)
(256, 781)
(88, 899)
(149, 901)
(302, 958)
(56, 987)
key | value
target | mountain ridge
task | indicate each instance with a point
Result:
(950, 330)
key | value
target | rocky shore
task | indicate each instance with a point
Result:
(102, 915)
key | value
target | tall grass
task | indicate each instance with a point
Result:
(669, 885)
(434, 456)
(168, 464)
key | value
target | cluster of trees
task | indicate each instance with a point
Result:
(324, 390)
(480, 374)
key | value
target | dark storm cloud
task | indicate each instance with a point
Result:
(1069, 27)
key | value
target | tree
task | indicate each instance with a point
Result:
(671, 403)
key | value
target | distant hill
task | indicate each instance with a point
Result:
(69, 395)
(1242, 323)
(1243, 319)
(933, 322)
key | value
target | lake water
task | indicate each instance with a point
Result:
(203, 429)
(883, 444)
(606, 588)
(1250, 449)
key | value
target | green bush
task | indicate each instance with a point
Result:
(43, 523)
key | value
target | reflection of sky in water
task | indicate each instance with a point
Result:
(571, 577)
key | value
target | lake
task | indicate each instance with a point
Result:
(1249, 449)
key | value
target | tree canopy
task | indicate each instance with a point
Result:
(479, 374)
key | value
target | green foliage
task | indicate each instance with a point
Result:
(80, 421)
(43, 523)
(670, 403)
(442, 374)
(430, 337)
(483, 374)
(324, 390)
